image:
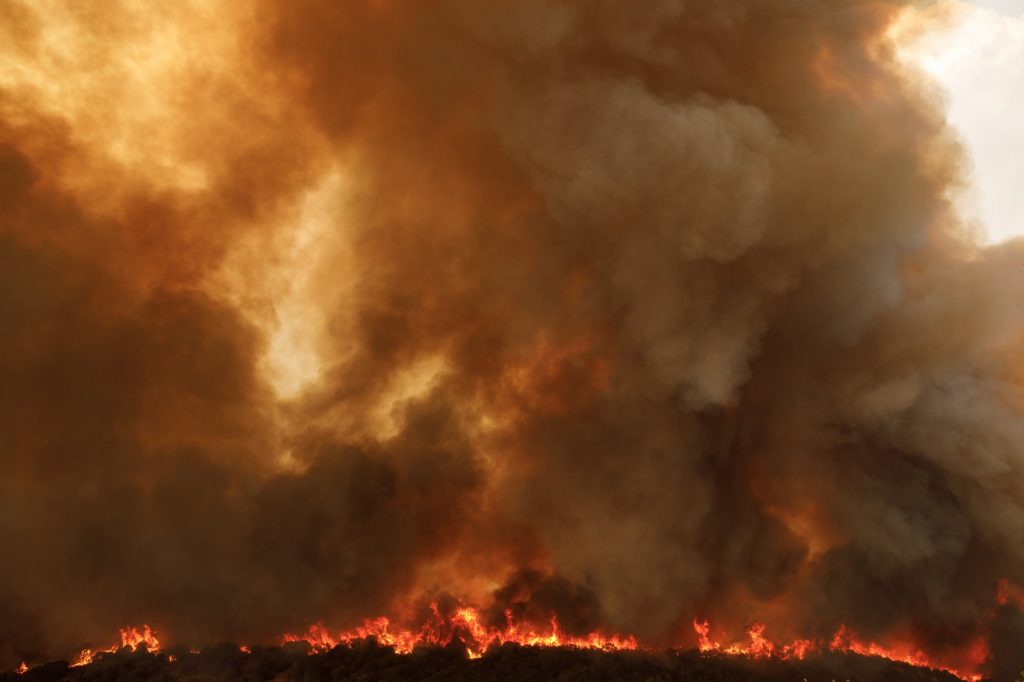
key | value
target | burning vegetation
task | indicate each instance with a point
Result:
(455, 650)
(470, 335)
(368, 660)
(446, 642)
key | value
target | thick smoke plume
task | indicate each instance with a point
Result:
(633, 312)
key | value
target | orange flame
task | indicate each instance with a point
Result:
(131, 638)
(844, 641)
(759, 646)
(905, 652)
(465, 623)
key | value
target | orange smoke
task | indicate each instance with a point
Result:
(613, 313)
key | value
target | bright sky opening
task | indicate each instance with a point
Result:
(978, 58)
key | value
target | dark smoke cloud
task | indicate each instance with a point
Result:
(633, 312)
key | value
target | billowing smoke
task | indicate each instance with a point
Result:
(635, 312)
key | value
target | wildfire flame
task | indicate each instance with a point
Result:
(131, 638)
(758, 647)
(467, 625)
(844, 641)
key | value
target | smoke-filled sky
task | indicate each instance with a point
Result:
(977, 56)
(635, 312)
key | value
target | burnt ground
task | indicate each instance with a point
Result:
(369, 661)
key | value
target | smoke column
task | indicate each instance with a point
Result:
(635, 312)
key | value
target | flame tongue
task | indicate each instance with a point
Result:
(844, 641)
(131, 638)
(466, 625)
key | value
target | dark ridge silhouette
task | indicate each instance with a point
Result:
(367, 660)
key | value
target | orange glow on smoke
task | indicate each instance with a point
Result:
(1009, 593)
(131, 638)
(555, 379)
